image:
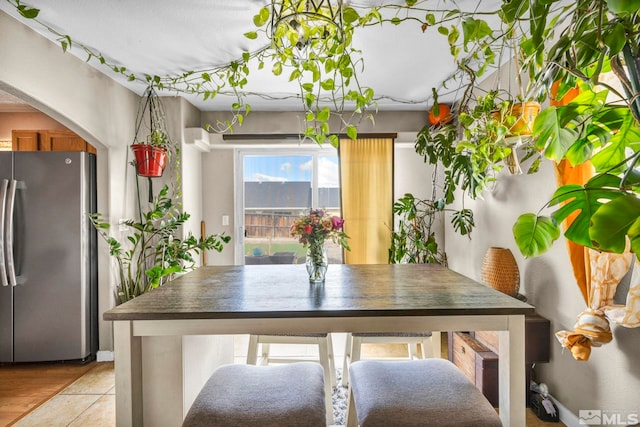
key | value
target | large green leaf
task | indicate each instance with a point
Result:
(614, 153)
(586, 200)
(538, 22)
(611, 223)
(511, 10)
(580, 151)
(534, 235)
(616, 39)
(475, 30)
(588, 100)
(623, 6)
(553, 135)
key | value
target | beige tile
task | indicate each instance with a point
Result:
(102, 413)
(99, 380)
(59, 411)
(112, 390)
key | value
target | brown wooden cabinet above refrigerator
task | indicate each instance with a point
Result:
(49, 140)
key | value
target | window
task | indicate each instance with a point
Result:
(276, 187)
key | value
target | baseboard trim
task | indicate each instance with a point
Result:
(104, 356)
(567, 417)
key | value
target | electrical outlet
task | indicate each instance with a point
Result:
(121, 225)
(225, 219)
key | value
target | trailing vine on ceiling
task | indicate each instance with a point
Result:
(326, 68)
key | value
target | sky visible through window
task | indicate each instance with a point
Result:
(291, 168)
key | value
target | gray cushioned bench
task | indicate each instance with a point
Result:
(266, 396)
(429, 392)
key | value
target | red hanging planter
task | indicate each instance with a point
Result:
(150, 160)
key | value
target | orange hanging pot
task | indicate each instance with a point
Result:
(442, 117)
(150, 160)
(525, 114)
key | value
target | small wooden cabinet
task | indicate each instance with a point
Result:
(49, 140)
(477, 362)
(25, 140)
(476, 354)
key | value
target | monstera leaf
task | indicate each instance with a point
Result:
(554, 137)
(535, 234)
(592, 202)
(613, 221)
(585, 200)
(558, 128)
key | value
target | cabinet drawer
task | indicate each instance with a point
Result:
(464, 354)
(477, 362)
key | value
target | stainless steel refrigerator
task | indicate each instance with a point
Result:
(48, 262)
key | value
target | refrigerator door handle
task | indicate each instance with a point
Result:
(4, 186)
(8, 231)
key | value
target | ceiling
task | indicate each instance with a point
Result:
(164, 37)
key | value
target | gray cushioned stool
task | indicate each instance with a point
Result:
(429, 341)
(429, 392)
(266, 396)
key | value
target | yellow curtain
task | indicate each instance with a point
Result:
(366, 175)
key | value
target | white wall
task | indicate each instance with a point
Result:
(191, 172)
(218, 199)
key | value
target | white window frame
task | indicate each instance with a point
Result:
(272, 150)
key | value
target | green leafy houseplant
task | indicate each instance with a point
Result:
(150, 253)
(152, 146)
(414, 241)
(600, 125)
(472, 151)
(575, 43)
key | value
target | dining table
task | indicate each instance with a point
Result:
(279, 299)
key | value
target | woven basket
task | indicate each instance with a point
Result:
(500, 271)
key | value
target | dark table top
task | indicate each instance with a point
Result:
(283, 291)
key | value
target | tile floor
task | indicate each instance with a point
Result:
(89, 401)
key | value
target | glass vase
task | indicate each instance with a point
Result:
(317, 262)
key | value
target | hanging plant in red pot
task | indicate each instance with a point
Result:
(150, 159)
(151, 153)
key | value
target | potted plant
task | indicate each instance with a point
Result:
(597, 37)
(150, 253)
(413, 241)
(473, 149)
(601, 125)
(151, 155)
(151, 152)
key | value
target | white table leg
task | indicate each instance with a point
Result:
(511, 367)
(436, 344)
(128, 371)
